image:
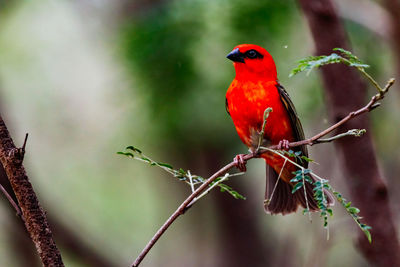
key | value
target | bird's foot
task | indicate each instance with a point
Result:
(240, 162)
(283, 144)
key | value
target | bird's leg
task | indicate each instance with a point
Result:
(240, 162)
(283, 144)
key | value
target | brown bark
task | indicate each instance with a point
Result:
(35, 218)
(345, 91)
(17, 235)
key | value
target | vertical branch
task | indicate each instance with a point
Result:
(345, 91)
(35, 219)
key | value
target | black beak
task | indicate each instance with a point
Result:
(236, 56)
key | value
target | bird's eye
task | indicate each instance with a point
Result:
(251, 54)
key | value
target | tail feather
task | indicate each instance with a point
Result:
(280, 199)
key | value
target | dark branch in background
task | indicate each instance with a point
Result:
(344, 92)
(313, 140)
(35, 219)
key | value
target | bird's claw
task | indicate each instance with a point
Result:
(283, 144)
(240, 162)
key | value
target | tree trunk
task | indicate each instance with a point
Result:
(345, 91)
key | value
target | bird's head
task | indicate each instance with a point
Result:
(252, 61)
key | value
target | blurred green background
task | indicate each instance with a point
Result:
(87, 78)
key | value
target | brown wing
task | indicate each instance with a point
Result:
(294, 121)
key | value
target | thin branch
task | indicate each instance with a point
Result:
(353, 132)
(268, 201)
(191, 181)
(313, 140)
(12, 202)
(305, 193)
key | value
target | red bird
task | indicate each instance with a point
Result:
(254, 89)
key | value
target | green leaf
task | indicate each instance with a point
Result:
(134, 149)
(368, 235)
(297, 178)
(354, 60)
(309, 63)
(297, 187)
(306, 159)
(330, 211)
(126, 154)
(353, 210)
(327, 186)
(146, 159)
(308, 179)
(228, 189)
(165, 165)
(346, 57)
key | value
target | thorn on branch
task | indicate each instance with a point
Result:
(17, 154)
(21, 151)
(24, 145)
(374, 106)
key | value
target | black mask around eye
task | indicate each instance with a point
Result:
(252, 54)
